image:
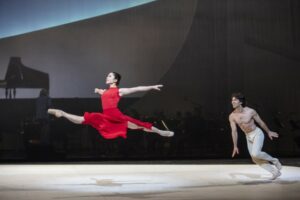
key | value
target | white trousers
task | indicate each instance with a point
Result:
(255, 141)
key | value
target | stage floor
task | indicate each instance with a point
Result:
(144, 181)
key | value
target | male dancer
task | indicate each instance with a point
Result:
(244, 117)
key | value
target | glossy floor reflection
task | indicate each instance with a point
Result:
(124, 181)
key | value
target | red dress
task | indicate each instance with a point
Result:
(112, 123)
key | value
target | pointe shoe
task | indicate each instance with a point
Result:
(277, 164)
(171, 134)
(56, 112)
(167, 133)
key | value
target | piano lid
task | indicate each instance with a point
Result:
(20, 76)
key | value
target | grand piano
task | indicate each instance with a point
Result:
(20, 76)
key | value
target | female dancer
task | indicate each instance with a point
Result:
(112, 123)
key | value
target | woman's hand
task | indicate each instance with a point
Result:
(157, 87)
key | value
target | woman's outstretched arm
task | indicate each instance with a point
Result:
(126, 91)
(99, 91)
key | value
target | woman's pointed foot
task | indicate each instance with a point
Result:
(167, 133)
(55, 112)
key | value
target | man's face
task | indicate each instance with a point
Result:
(235, 102)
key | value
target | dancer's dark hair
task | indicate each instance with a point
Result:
(117, 77)
(240, 97)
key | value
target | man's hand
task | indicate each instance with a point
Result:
(235, 151)
(272, 134)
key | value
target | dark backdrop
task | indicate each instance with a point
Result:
(221, 46)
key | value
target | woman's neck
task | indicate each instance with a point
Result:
(113, 86)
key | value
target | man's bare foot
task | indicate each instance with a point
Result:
(277, 164)
(275, 174)
(56, 112)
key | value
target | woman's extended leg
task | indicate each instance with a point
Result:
(73, 118)
(153, 129)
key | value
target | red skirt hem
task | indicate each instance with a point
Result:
(112, 123)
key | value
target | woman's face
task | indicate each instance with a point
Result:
(110, 79)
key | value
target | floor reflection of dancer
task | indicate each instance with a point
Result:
(112, 123)
(244, 117)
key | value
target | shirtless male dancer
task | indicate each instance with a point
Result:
(244, 117)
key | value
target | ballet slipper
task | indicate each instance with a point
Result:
(167, 133)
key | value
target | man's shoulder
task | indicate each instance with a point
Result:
(249, 109)
(231, 115)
